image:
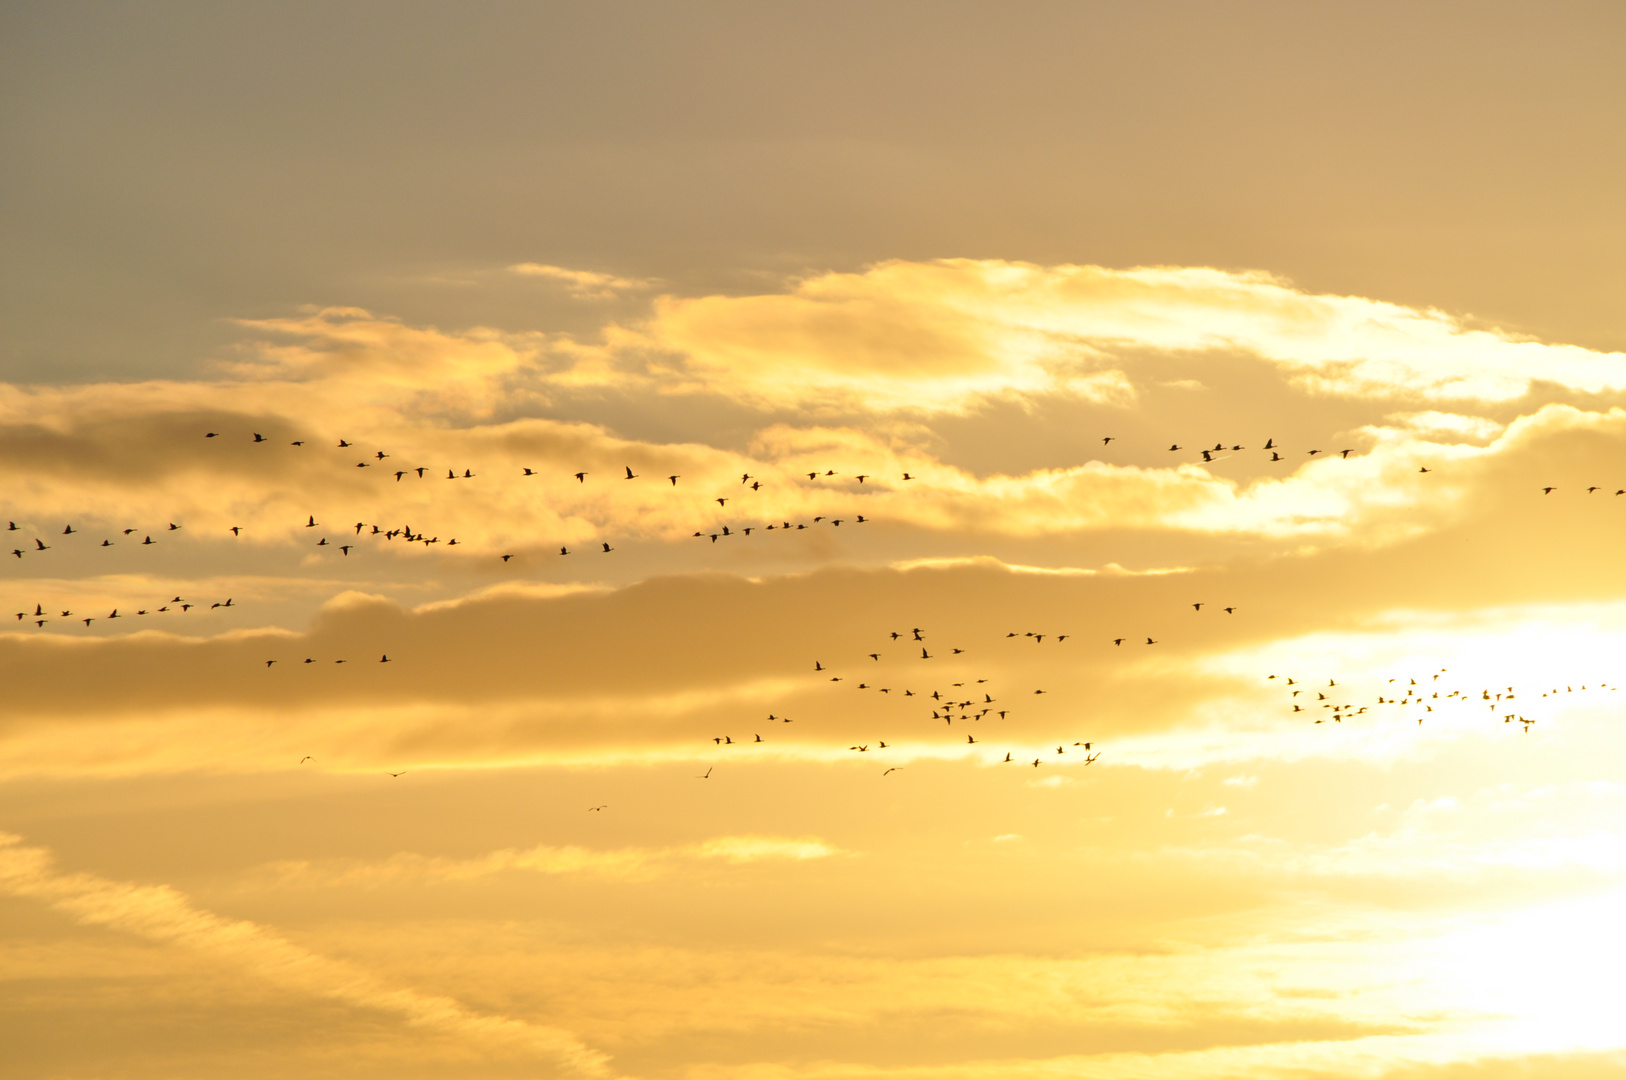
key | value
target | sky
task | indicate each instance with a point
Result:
(811, 541)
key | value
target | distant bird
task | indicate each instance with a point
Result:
(1149, 641)
(384, 659)
(1270, 444)
(1275, 456)
(1346, 453)
(1173, 447)
(1425, 469)
(268, 663)
(311, 524)
(505, 558)
(343, 444)
(41, 545)
(564, 551)
(210, 434)
(581, 477)
(590, 809)
(906, 476)
(1107, 439)
(630, 474)
(607, 547)
(1548, 490)
(1197, 607)
(722, 502)
(236, 529)
(674, 478)
(401, 773)
(707, 776)
(258, 437)
(148, 540)
(862, 477)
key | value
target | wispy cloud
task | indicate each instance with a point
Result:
(160, 913)
(582, 284)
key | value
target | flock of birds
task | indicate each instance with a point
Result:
(960, 701)
(1414, 699)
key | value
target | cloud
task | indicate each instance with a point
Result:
(624, 864)
(582, 284)
(160, 913)
(944, 336)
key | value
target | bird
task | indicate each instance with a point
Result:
(258, 437)
(528, 472)
(673, 478)
(1425, 469)
(1150, 641)
(401, 773)
(1346, 453)
(707, 775)
(1173, 447)
(592, 808)
(310, 523)
(1548, 490)
(384, 659)
(505, 558)
(1197, 607)
(630, 474)
(564, 551)
(343, 444)
(607, 546)
(581, 477)
(1107, 438)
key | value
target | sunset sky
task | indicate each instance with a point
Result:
(812, 541)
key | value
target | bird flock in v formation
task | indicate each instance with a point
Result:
(960, 702)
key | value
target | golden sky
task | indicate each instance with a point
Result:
(812, 541)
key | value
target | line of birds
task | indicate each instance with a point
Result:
(40, 616)
(68, 530)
